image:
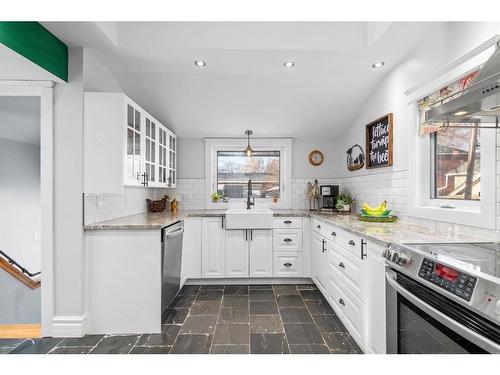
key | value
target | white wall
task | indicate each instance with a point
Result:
(20, 202)
(191, 158)
(449, 42)
(68, 189)
(191, 170)
(97, 77)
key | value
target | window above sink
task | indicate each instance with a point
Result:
(228, 170)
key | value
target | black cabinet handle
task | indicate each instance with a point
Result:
(287, 240)
(341, 301)
(323, 245)
(251, 234)
(334, 234)
(351, 242)
(363, 253)
(287, 264)
(318, 226)
(341, 265)
(222, 221)
(287, 222)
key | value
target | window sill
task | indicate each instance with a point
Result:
(469, 216)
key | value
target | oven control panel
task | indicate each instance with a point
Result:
(451, 280)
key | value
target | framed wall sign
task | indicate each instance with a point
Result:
(355, 158)
(379, 142)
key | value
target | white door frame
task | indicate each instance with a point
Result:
(42, 89)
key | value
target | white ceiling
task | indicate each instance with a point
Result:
(244, 85)
(20, 119)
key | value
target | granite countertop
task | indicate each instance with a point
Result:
(381, 233)
(387, 233)
(150, 220)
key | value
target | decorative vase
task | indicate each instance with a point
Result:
(346, 208)
(173, 207)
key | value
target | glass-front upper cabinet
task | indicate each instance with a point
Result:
(151, 148)
(162, 155)
(134, 156)
(172, 160)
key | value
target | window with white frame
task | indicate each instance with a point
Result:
(235, 169)
(456, 164)
(229, 169)
(452, 167)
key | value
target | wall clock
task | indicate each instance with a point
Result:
(316, 157)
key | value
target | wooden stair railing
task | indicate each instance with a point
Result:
(16, 270)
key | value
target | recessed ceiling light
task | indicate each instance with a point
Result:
(460, 113)
(200, 63)
(288, 64)
(378, 64)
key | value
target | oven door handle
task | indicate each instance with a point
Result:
(467, 333)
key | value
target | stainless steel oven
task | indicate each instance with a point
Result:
(434, 307)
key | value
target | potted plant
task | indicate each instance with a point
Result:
(216, 197)
(344, 201)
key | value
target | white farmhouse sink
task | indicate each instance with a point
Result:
(256, 218)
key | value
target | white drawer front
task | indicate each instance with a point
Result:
(350, 307)
(287, 264)
(287, 239)
(287, 222)
(348, 266)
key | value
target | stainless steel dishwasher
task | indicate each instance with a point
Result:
(171, 258)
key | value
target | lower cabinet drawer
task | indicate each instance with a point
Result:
(349, 307)
(287, 239)
(287, 222)
(350, 267)
(287, 264)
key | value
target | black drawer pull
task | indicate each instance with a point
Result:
(341, 265)
(334, 234)
(287, 222)
(351, 242)
(287, 264)
(341, 301)
(287, 240)
(318, 226)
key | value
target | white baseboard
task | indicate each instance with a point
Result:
(250, 281)
(69, 326)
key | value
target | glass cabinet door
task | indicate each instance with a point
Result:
(133, 158)
(172, 160)
(162, 155)
(150, 152)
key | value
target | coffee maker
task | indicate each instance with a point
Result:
(329, 194)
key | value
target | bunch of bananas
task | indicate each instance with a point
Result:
(380, 210)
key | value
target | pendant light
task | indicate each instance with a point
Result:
(248, 150)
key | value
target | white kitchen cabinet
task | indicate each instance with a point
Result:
(287, 264)
(124, 146)
(237, 253)
(213, 248)
(319, 262)
(375, 341)
(191, 249)
(348, 307)
(249, 253)
(261, 253)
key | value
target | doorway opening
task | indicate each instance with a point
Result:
(20, 217)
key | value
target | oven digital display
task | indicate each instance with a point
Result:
(446, 273)
(455, 282)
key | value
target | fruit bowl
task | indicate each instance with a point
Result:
(384, 213)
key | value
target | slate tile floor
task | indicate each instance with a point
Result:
(218, 319)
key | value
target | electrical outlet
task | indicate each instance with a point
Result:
(36, 236)
(99, 202)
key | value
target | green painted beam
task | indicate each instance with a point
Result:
(37, 44)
